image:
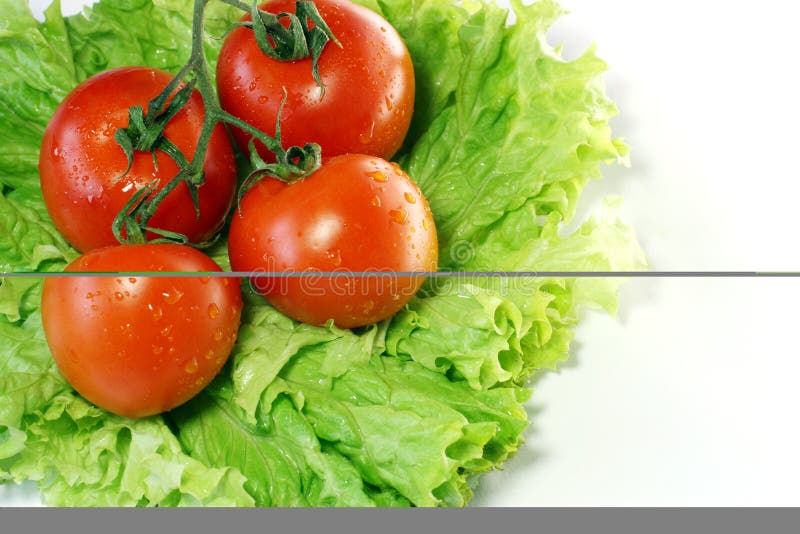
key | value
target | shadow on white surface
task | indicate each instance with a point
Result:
(19, 495)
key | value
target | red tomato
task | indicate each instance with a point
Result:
(140, 345)
(80, 162)
(369, 85)
(355, 214)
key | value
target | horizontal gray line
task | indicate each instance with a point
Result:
(434, 274)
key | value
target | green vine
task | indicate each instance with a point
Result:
(145, 132)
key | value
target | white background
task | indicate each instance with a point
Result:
(690, 395)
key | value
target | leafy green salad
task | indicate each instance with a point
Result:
(408, 412)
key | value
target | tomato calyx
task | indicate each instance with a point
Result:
(306, 160)
(137, 212)
(145, 132)
(293, 165)
(298, 41)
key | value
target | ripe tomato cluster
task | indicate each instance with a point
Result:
(327, 247)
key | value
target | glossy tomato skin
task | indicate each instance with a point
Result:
(355, 214)
(140, 345)
(369, 85)
(80, 161)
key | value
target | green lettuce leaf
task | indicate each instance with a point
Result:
(282, 458)
(156, 33)
(402, 428)
(524, 125)
(27, 240)
(473, 332)
(28, 243)
(82, 455)
(28, 382)
(38, 72)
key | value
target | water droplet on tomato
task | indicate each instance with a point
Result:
(376, 201)
(94, 307)
(157, 349)
(205, 280)
(210, 355)
(253, 86)
(388, 103)
(218, 334)
(424, 224)
(378, 176)
(366, 137)
(155, 312)
(132, 280)
(335, 256)
(263, 99)
(191, 366)
(118, 295)
(411, 199)
(213, 311)
(399, 216)
(173, 296)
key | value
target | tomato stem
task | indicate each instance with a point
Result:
(145, 132)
